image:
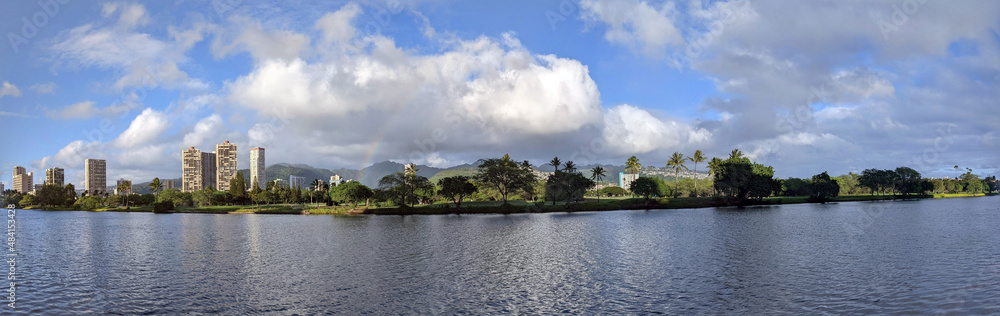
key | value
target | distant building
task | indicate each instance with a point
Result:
(54, 176)
(1, 186)
(22, 180)
(297, 182)
(37, 188)
(336, 180)
(169, 184)
(123, 191)
(95, 176)
(625, 180)
(257, 168)
(198, 170)
(226, 158)
(280, 183)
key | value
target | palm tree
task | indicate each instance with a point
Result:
(676, 162)
(555, 163)
(597, 174)
(698, 157)
(633, 165)
(156, 186)
(125, 187)
(317, 184)
(736, 154)
(569, 167)
(956, 171)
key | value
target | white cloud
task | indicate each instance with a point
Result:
(637, 24)
(206, 129)
(86, 110)
(44, 88)
(9, 89)
(249, 36)
(145, 128)
(336, 26)
(628, 129)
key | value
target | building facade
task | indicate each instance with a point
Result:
(54, 176)
(191, 170)
(209, 170)
(336, 180)
(95, 176)
(257, 168)
(225, 154)
(297, 182)
(169, 184)
(280, 183)
(625, 180)
(22, 180)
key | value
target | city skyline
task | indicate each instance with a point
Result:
(347, 84)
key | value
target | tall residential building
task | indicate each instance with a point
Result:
(1, 186)
(625, 180)
(208, 170)
(54, 176)
(197, 170)
(123, 190)
(225, 154)
(95, 176)
(22, 180)
(257, 168)
(169, 184)
(191, 178)
(297, 182)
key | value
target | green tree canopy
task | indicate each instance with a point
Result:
(506, 176)
(456, 188)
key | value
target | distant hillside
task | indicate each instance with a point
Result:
(468, 172)
(370, 175)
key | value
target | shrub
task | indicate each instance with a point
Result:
(163, 206)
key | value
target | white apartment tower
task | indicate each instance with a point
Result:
(257, 167)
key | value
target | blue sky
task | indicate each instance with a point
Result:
(808, 87)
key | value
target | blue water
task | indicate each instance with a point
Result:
(925, 257)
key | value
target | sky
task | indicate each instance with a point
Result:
(805, 86)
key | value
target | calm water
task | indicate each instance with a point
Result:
(936, 256)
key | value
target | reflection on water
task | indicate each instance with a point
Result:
(939, 256)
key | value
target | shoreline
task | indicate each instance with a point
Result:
(520, 207)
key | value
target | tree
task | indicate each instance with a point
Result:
(645, 187)
(256, 194)
(613, 191)
(456, 188)
(569, 167)
(555, 163)
(155, 186)
(956, 171)
(125, 186)
(713, 167)
(238, 188)
(676, 162)
(506, 176)
(697, 158)
(632, 165)
(351, 192)
(909, 180)
(567, 186)
(405, 186)
(823, 188)
(741, 179)
(597, 174)
(736, 154)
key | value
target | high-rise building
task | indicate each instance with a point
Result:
(95, 176)
(1, 186)
(208, 170)
(625, 180)
(257, 168)
(225, 154)
(191, 170)
(124, 187)
(197, 170)
(54, 176)
(297, 182)
(169, 184)
(22, 180)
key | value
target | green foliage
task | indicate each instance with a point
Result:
(177, 197)
(632, 165)
(908, 181)
(613, 191)
(238, 188)
(506, 176)
(742, 180)
(676, 162)
(823, 188)
(567, 186)
(645, 187)
(406, 188)
(88, 203)
(456, 188)
(351, 192)
(163, 206)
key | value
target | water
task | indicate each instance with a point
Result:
(931, 256)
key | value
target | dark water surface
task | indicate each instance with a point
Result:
(930, 256)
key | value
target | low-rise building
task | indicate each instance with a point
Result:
(625, 180)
